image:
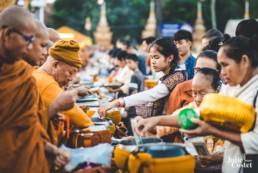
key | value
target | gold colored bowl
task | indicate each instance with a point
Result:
(227, 112)
(149, 83)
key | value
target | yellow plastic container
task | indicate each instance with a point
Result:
(149, 83)
(112, 128)
(90, 112)
(120, 156)
(227, 112)
(181, 164)
(114, 115)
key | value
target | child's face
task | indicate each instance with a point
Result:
(132, 64)
(158, 61)
(200, 87)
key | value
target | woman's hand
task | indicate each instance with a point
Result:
(202, 129)
(144, 125)
(105, 107)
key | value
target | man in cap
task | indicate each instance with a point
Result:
(65, 101)
(60, 68)
(23, 140)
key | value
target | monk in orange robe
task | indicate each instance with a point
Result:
(23, 140)
(65, 101)
(22, 137)
(59, 69)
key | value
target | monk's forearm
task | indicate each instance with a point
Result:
(50, 148)
(169, 121)
(78, 117)
(52, 110)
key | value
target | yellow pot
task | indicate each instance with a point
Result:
(149, 83)
(120, 156)
(90, 112)
(227, 112)
(181, 164)
(115, 116)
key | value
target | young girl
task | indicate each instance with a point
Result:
(164, 58)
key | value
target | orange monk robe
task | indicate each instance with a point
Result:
(22, 138)
(49, 90)
(180, 97)
(48, 125)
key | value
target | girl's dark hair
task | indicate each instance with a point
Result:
(132, 57)
(121, 55)
(116, 52)
(113, 52)
(212, 33)
(247, 28)
(216, 42)
(236, 47)
(166, 47)
(212, 75)
(148, 40)
(210, 54)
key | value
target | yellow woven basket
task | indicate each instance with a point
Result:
(227, 112)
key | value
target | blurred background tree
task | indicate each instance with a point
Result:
(127, 18)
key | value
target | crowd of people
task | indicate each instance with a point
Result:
(37, 68)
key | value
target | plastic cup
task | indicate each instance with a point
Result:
(110, 79)
(90, 112)
(114, 115)
(185, 117)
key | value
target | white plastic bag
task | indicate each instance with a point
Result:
(101, 154)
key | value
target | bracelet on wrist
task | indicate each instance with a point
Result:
(121, 102)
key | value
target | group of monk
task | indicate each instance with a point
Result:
(35, 66)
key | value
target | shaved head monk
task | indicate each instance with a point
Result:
(53, 37)
(61, 66)
(36, 56)
(23, 140)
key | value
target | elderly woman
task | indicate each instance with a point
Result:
(238, 58)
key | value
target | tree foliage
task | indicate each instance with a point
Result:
(127, 18)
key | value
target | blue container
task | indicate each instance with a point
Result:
(165, 150)
(145, 140)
